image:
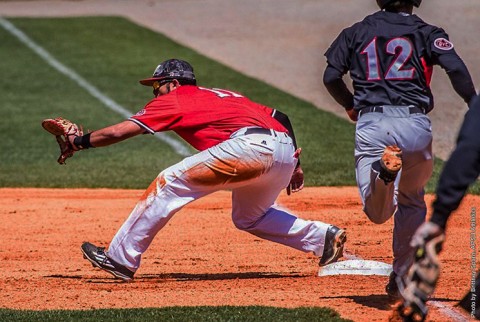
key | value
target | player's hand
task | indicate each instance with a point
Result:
(296, 182)
(352, 114)
(422, 277)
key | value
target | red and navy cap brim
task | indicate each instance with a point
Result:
(150, 81)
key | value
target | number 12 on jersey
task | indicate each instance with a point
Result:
(400, 48)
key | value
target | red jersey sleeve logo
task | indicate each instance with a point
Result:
(443, 44)
(141, 112)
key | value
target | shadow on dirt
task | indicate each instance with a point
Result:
(186, 277)
(377, 301)
(220, 276)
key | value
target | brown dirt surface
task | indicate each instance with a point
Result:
(199, 258)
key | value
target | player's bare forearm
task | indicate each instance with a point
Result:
(115, 133)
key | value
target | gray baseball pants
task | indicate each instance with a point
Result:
(405, 196)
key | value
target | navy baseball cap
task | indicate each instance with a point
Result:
(171, 69)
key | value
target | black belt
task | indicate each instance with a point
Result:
(379, 109)
(258, 130)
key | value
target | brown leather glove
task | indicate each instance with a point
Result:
(64, 131)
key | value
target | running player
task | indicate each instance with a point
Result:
(390, 56)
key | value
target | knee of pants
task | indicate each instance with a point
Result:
(375, 218)
(167, 177)
(243, 224)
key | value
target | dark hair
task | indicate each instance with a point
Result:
(398, 5)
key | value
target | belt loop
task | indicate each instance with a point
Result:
(379, 109)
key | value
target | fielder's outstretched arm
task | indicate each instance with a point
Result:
(108, 135)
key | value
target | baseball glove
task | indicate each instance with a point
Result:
(422, 277)
(64, 131)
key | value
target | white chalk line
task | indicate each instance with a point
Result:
(177, 145)
(449, 311)
(444, 309)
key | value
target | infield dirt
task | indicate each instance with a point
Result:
(200, 258)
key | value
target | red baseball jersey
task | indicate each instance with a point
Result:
(204, 117)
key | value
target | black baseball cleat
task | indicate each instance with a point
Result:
(98, 258)
(334, 241)
(392, 288)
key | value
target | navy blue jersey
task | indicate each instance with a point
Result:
(390, 57)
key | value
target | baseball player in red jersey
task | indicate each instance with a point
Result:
(244, 146)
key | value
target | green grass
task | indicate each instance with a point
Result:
(180, 314)
(112, 54)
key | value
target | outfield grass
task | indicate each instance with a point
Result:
(112, 54)
(180, 314)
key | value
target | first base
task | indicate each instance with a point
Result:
(356, 267)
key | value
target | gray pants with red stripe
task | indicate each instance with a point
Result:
(404, 197)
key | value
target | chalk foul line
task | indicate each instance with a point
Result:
(178, 146)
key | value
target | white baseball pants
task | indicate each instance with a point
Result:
(256, 167)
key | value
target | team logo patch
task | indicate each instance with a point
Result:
(443, 44)
(140, 113)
